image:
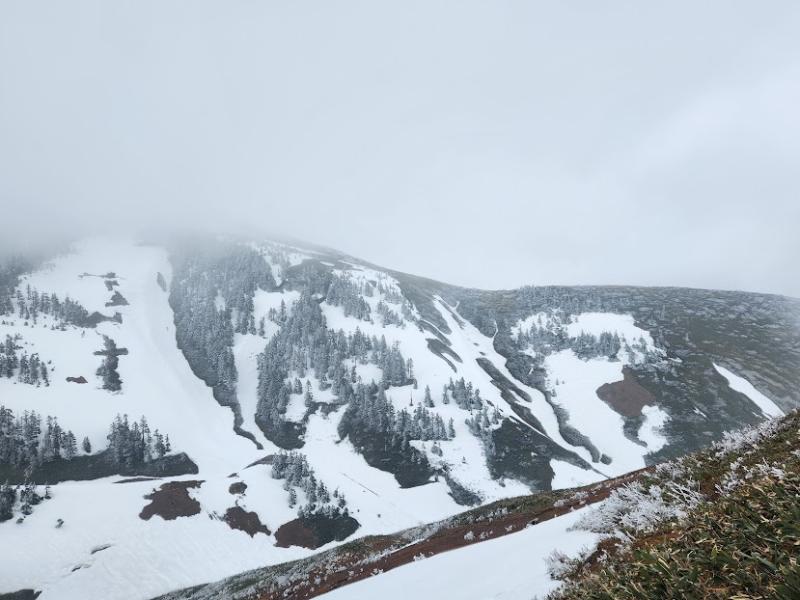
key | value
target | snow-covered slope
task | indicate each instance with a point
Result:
(513, 567)
(408, 399)
(144, 558)
(157, 382)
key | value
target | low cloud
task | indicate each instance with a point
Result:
(485, 144)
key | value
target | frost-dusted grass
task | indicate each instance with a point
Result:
(743, 542)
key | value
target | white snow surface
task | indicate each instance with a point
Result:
(651, 432)
(145, 559)
(157, 381)
(596, 323)
(279, 254)
(741, 385)
(148, 558)
(511, 567)
(577, 393)
(575, 382)
(246, 349)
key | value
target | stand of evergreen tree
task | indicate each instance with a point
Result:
(27, 442)
(481, 425)
(382, 435)
(371, 411)
(388, 316)
(31, 304)
(297, 474)
(14, 361)
(8, 497)
(346, 293)
(204, 332)
(304, 343)
(463, 394)
(548, 334)
(108, 368)
(10, 271)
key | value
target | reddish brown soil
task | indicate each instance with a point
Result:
(294, 533)
(315, 531)
(238, 518)
(237, 487)
(351, 568)
(626, 397)
(171, 501)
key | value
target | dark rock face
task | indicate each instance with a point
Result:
(95, 466)
(21, 595)
(79, 379)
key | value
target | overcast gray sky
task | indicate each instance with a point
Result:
(484, 143)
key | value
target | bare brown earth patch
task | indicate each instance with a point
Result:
(349, 567)
(362, 558)
(626, 397)
(238, 518)
(315, 531)
(172, 500)
(294, 533)
(237, 487)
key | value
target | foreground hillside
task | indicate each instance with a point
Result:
(177, 413)
(722, 523)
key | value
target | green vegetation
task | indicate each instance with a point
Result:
(741, 541)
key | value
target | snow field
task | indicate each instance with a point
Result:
(148, 558)
(741, 385)
(512, 567)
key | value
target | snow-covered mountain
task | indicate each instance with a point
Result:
(211, 406)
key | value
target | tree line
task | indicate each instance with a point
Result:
(204, 331)
(27, 441)
(32, 304)
(297, 474)
(14, 360)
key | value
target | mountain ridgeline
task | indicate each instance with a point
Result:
(214, 292)
(219, 405)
